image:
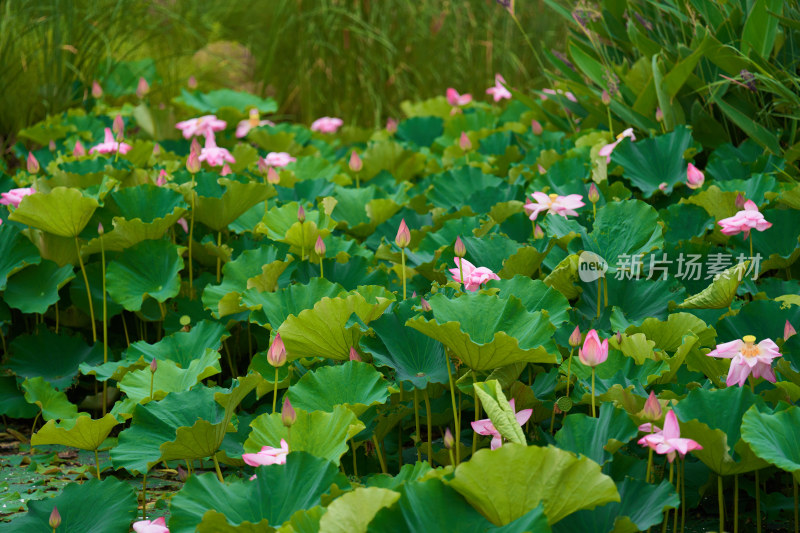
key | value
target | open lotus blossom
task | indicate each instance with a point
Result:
(499, 92)
(15, 196)
(668, 440)
(554, 204)
(244, 127)
(159, 525)
(745, 220)
(327, 124)
(278, 159)
(607, 149)
(205, 125)
(473, 277)
(747, 358)
(485, 426)
(109, 145)
(267, 456)
(694, 177)
(593, 351)
(213, 154)
(455, 99)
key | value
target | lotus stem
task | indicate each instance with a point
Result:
(88, 290)
(736, 503)
(678, 487)
(599, 294)
(456, 411)
(593, 411)
(152, 379)
(216, 467)
(461, 272)
(358, 182)
(428, 416)
(751, 244)
(416, 424)
(553, 420)
(219, 258)
(355, 463)
(569, 369)
(191, 238)
(105, 324)
(302, 241)
(403, 265)
(275, 395)
(3, 339)
(796, 507)
(683, 493)
(380, 454)
(56, 306)
(605, 289)
(321, 271)
(477, 417)
(125, 328)
(97, 464)
(666, 513)
(400, 435)
(452, 459)
(189, 468)
(649, 459)
(721, 504)
(758, 495)
(610, 124)
(144, 497)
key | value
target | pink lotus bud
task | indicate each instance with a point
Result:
(100, 229)
(541, 169)
(288, 415)
(33, 164)
(118, 126)
(183, 475)
(97, 91)
(225, 170)
(55, 518)
(594, 195)
(52, 146)
(459, 249)
(142, 88)
(403, 238)
(301, 214)
(193, 163)
(391, 125)
(593, 352)
(662, 186)
(194, 148)
(319, 247)
(619, 338)
(156, 149)
(277, 352)
(192, 82)
(788, 330)
(273, 177)
(605, 98)
(659, 114)
(449, 441)
(425, 305)
(694, 177)
(464, 143)
(354, 354)
(652, 409)
(79, 150)
(575, 337)
(153, 365)
(536, 127)
(162, 177)
(538, 232)
(740, 201)
(355, 162)
(263, 167)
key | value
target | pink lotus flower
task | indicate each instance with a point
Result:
(355, 162)
(607, 149)
(748, 358)
(79, 150)
(485, 426)
(569, 95)
(109, 145)
(455, 99)
(391, 125)
(276, 355)
(473, 277)
(326, 124)
(225, 170)
(593, 351)
(463, 142)
(267, 456)
(499, 92)
(694, 177)
(744, 221)
(213, 154)
(162, 178)
(205, 125)
(278, 159)
(142, 88)
(652, 409)
(97, 91)
(536, 127)
(403, 237)
(554, 204)
(185, 225)
(32, 163)
(788, 330)
(15, 196)
(244, 127)
(159, 525)
(668, 441)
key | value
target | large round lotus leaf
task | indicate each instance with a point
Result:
(648, 163)
(714, 419)
(487, 332)
(213, 101)
(535, 295)
(415, 357)
(353, 511)
(506, 483)
(318, 433)
(56, 358)
(763, 318)
(150, 268)
(281, 224)
(274, 496)
(720, 293)
(326, 330)
(35, 289)
(351, 274)
(108, 506)
(363, 209)
(81, 432)
(452, 187)
(169, 377)
(684, 221)
(642, 507)
(12, 400)
(238, 197)
(668, 334)
(774, 436)
(54, 404)
(16, 252)
(597, 438)
(490, 251)
(392, 157)
(354, 384)
(620, 370)
(62, 211)
(638, 301)
(421, 131)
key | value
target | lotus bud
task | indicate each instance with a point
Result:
(575, 337)
(192, 82)
(536, 127)
(55, 518)
(652, 409)
(262, 165)
(194, 148)
(619, 338)
(355, 162)
(153, 365)
(273, 177)
(449, 441)
(225, 170)
(425, 305)
(276, 356)
(391, 125)
(354, 354)
(694, 177)
(605, 97)
(142, 88)
(97, 91)
(33, 164)
(193, 163)
(288, 415)
(541, 169)
(662, 186)
(183, 475)
(319, 247)
(156, 149)
(594, 194)
(118, 126)
(659, 114)
(301, 214)
(100, 229)
(593, 351)
(403, 238)
(538, 232)
(459, 249)
(162, 177)
(79, 150)
(52, 146)
(740, 201)
(464, 143)
(788, 330)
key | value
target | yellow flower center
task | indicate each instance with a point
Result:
(253, 118)
(553, 197)
(750, 349)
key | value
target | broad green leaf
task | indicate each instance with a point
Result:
(496, 405)
(213, 101)
(82, 432)
(16, 252)
(597, 438)
(354, 384)
(720, 293)
(648, 163)
(273, 308)
(35, 289)
(774, 436)
(217, 213)
(150, 268)
(63, 211)
(169, 377)
(753, 129)
(535, 296)
(761, 27)
(353, 511)
(12, 400)
(54, 404)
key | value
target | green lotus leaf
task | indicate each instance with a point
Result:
(325, 330)
(597, 438)
(213, 101)
(779, 246)
(773, 437)
(458, 187)
(272, 308)
(319, 433)
(16, 252)
(62, 211)
(420, 509)
(535, 295)
(363, 209)
(77, 292)
(281, 225)
(762, 318)
(497, 483)
(490, 250)
(721, 292)
(351, 274)
(353, 511)
(496, 405)
(620, 370)
(273, 497)
(108, 505)
(415, 357)
(354, 384)
(169, 377)
(54, 404)
(637, 300)
(487, 332)
(267, 281)
(392, 157)
(150, 268)
(564, 276)
(35, 289)
(12, 400)
(65, 355)
(407, 474)
(685, 221)
(237, 198)
(648, 163)
(82, 432)
(669, 334)
(524, 262)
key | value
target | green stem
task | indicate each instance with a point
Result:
(88, 290)
(758, 500)
(599, 294)
(97, 464)
(380, 455)
(105, 322)
(456, 411)
(605, 290)
(216, 467)
(275, 396)
(649, 463)
(302, 241)
(569, 370)
(191, 238)
(321, 272)
(144, 497)
(721, 504)
(219, 258)
(428, 416)
(461, 272)
(477, 417)
(355, 463)
(610, 124)
(403, 266)
(666, 513)
(736, 503)
(452, 460)
(593, 413)
(678, 487)
(553, 420)
(152, 378)
(796, 507)
(416, 425)
(683, 493)
(400, 434)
